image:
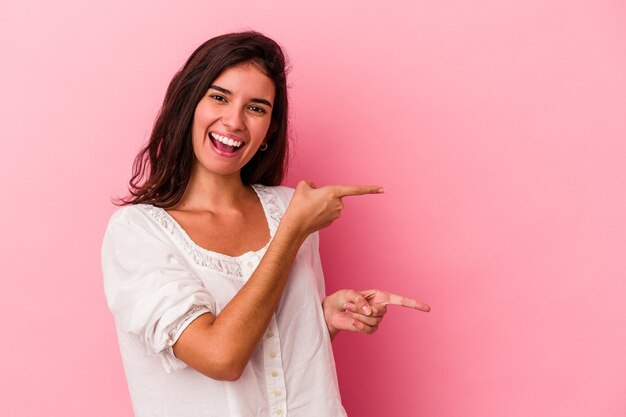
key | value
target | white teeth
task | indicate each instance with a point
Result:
(225, 140)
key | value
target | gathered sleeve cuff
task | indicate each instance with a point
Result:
(150, 289)
(168, 359)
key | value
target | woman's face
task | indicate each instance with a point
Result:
(232, 120)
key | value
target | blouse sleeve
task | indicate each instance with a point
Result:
(317, 264)
(150, 291)
(285, 194)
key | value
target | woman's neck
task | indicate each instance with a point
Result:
(211, 192)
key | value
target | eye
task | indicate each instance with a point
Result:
(217, 97)
(257, 109)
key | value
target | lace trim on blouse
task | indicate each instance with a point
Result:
(229, 265)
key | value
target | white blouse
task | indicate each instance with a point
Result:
(157, 281)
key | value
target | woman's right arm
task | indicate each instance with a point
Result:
(221, 346)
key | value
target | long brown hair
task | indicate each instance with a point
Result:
(162, 168)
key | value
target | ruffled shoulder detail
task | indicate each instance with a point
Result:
(274, 210)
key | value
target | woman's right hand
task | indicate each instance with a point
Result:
(312, 208)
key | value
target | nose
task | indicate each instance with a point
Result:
(232, 118)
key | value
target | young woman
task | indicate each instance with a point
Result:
(212, 269)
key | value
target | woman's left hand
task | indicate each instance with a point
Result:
(362, 311)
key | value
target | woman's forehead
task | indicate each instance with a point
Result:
(245, 79)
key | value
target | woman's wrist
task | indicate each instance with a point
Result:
(292, 231)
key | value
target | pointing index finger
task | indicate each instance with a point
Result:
(407, 302)
(347, 190)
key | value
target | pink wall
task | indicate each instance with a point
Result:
(497, 128)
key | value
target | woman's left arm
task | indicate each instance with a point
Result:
(362, 311)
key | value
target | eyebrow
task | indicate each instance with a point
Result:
(254, 100)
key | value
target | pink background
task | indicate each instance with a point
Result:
(497, 128)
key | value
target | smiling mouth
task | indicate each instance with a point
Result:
(224, 144)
